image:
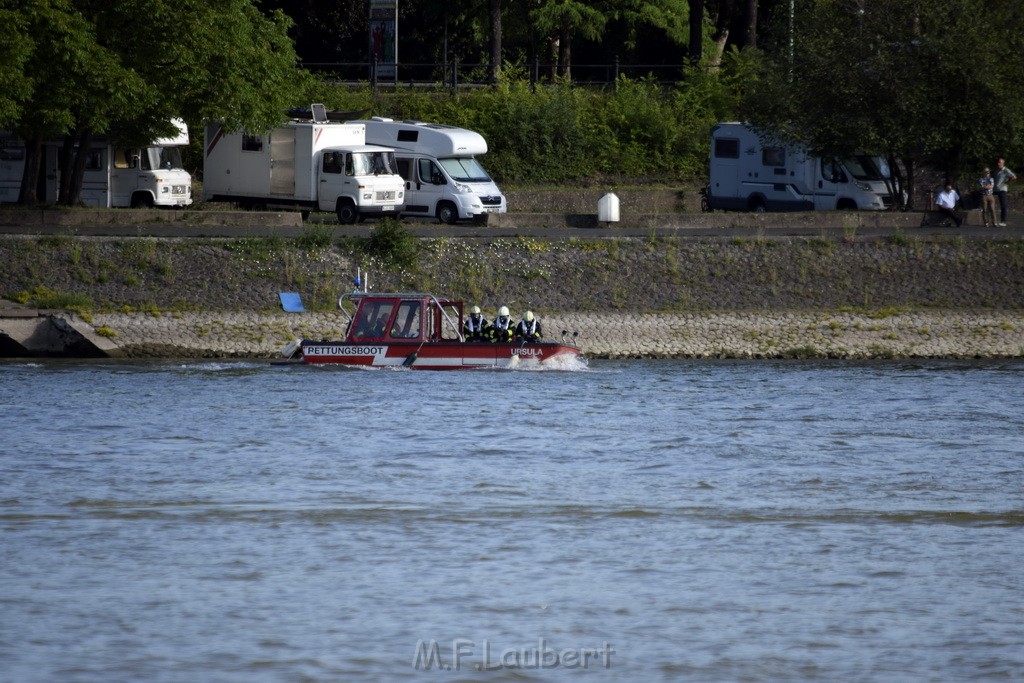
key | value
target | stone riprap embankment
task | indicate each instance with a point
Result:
(894, 296)
(763, 334)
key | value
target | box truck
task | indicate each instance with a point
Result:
(312, 165)
(443, 178)
(749, 174)
(115, 175)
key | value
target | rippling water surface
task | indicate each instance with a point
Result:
(635, 521)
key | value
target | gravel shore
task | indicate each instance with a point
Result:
(767, 334)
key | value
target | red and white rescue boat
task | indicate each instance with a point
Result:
(421, 332)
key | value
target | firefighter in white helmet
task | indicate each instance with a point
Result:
(502, 329)
(528, 328)
(476, 326)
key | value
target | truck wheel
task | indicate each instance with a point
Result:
(347, 213)
(142, 200)
(757, 205)
(447, 213)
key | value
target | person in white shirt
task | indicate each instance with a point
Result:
(946, 201)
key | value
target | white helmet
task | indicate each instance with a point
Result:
(475, 310)
(503, 311)
(528, 317)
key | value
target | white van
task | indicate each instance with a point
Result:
(442, 176)
(747, 174)
(115, 176)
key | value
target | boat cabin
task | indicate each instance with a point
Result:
(402, 317)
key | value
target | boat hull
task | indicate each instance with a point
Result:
(444, 355)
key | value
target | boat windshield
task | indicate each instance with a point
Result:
(465, 169)
(372, 319)
(407, 322)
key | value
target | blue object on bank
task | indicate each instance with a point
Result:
(291, 302)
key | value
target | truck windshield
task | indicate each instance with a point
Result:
(465, 169)
(864, 167)
(161, 157)
(373, 163)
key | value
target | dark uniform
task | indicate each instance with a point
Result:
(475, 328)
(528, 328)
(502, 328)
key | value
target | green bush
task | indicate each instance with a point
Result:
(392, 244)
(558, 132)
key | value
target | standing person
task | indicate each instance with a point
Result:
(1003, 176)
(988, 198)
(475, 327)
(528, 328)
(946, 201)
(502, 328)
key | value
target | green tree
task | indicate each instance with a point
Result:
(15, 50)
(563, 21)
(127, 68)
(916, 80)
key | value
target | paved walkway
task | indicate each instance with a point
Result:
(170, 223)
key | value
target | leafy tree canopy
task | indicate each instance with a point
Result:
(915, 80)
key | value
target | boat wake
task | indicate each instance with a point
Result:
(563, 362)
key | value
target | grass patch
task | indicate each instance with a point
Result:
(314, 237)
(392, 244)
(44, 297)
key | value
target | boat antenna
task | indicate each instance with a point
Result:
(361, 280)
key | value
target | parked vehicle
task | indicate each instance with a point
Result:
(115, 175)
(308, 164)
(442, 176)
(748, 174)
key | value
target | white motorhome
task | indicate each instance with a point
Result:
(748, 174)
(438, 163)
(115, 176)
(311, 164)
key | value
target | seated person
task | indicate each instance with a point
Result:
(475, 327)
(946, 203)
(501, 329)
(528, 328)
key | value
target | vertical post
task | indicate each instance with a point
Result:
(395, 49)
(791, 15)
(616, 70)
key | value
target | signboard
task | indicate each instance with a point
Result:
(384, 37)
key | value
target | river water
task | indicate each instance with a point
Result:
(632, 521)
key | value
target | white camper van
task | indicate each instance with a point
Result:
(747, 174)
(313, 164)
(442, 175)
(115, 176)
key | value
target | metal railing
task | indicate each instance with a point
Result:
(455, 74)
